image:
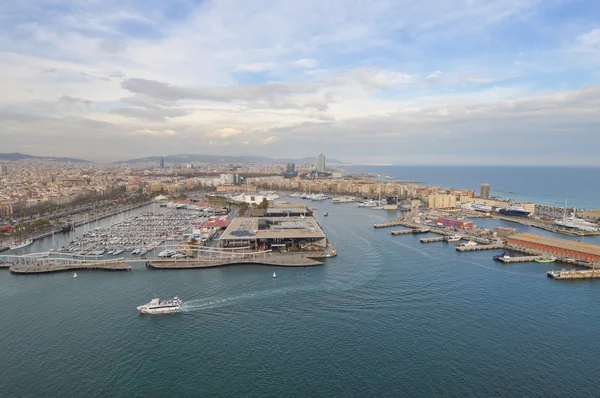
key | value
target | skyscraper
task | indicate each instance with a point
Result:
(162, 162)
(3, 169)
(321, 163)
(484, 193)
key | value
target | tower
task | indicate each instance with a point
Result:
(162, 162)
(484, 193)
(321, 163)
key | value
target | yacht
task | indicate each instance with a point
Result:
(469, 243)
(274, 275)
(368, 203)
(481, 207)
(577, 224)
(21, 244)
(453, 238)
(118, 252)
(319, 197)
(166, 253)
(75, 275)
(158, 306)
(136, 251)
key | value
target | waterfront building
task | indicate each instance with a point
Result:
(321, 163)
(277, 209)
(484, 192)
(274, 233)
(548, 245)
(454, 223)
(441, 201)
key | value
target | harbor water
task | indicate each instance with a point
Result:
(387, 317)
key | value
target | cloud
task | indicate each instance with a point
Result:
(270, 140)
(223, 133)
(306, 63)
(432, 78)
(155, 133)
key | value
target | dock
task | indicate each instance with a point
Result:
(396, 223)
(431, 240)
(43, 267)
(573, 274)
(479, 247)
(519, 259)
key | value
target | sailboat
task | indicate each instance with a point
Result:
(379, 206)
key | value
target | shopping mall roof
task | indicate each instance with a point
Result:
(273, 228)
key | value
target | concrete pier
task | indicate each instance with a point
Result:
(519, 259)
(573, 274)
(479, 247)
(278, 260)
(402, 232)
(431, 240)
(49, 266)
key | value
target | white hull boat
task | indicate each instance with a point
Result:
(158, 306)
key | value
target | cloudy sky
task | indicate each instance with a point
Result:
(398, 81)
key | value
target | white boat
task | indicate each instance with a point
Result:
(22, 244)
(136, 251)
(75, 275)
(158, 306)
(481, 207)
(368, 203)
(453, 238)
(469, 243)
(118, 252)
(166, 253)
(274, 275)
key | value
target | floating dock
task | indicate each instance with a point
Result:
(574, 274)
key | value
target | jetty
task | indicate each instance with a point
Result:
(461, 248)
(42, 267)
(517, 259)
(396, 223)
(573, 274)
(431, 240)
(403, 232)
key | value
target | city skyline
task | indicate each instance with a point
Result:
(386, 82)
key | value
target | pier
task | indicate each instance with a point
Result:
(278, 260)
(41, 267)
(573, 274)
(479, 247)
(402, 232)
(518, 259)
(396, 223)
(431, 240)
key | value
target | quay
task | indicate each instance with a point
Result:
(479, 247)
(42, 267)
(573, 274)
(396, 223)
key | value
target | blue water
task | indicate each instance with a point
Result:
(543, 185)
(388, 317)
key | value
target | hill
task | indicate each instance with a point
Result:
(191, 158)
(13, 157)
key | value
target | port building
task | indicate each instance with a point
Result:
(274, 233)
(556, 247)
(282, 209)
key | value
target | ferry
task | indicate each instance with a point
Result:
(517, 211)
(158, 306)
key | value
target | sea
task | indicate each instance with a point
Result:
(544, 185)
(387, 317)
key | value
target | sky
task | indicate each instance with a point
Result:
(376, 82)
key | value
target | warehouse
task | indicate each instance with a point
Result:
(561, 248)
